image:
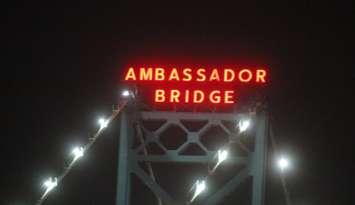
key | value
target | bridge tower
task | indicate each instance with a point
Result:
(133, 127)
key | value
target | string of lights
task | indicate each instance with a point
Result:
(197, 188)
(221, 155)
(78, 152)
(283, 163)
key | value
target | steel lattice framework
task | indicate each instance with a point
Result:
(129, 157)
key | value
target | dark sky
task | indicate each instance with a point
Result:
(61, 66)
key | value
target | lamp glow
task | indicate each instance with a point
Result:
(283, 163)
(200, 186)
(49, 184)
(103, 123)
(243, 125)
(222, 155)
(125, 93)
(78, 152)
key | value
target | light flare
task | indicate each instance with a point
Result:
(103, 123)
(200, 186)
(243, 125)
(77, 152)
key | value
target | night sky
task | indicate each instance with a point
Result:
(61, 70)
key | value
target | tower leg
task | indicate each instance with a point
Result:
(123, 176)
(259, 160)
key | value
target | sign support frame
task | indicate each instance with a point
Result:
(129, 158)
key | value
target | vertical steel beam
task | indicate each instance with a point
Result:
(123, 176)
(259, 160)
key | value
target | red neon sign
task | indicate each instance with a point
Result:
(195, 75)
(194, 85)
(193, 96)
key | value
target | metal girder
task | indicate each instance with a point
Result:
(190, 115)
(129, 157)
(229, 187)
(187, 159)
(156, 189)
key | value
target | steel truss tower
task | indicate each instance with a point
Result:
(129, 158)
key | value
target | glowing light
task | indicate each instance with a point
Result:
(283, 163)
(197, 85)
(222, 155)
(194, 96)
(186, 74)
(125, 93)
(103, 123)
(243, 125)
(49, 184)
(200, 186)
(78, 152)
(247, 78)
(260, 76)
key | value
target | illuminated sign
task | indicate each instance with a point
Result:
(194, 85)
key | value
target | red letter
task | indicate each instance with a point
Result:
(228, 96)
(230, 77)
(174, 96)
(174, 75)
(159, 74)
(260, 76)
(145, 74)
(159, 96)
(215, 96)
(187, 96)
(199, 96)
(130, 74)
(201, 74)
(248, 77)
(214, 75)
(187, 74)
